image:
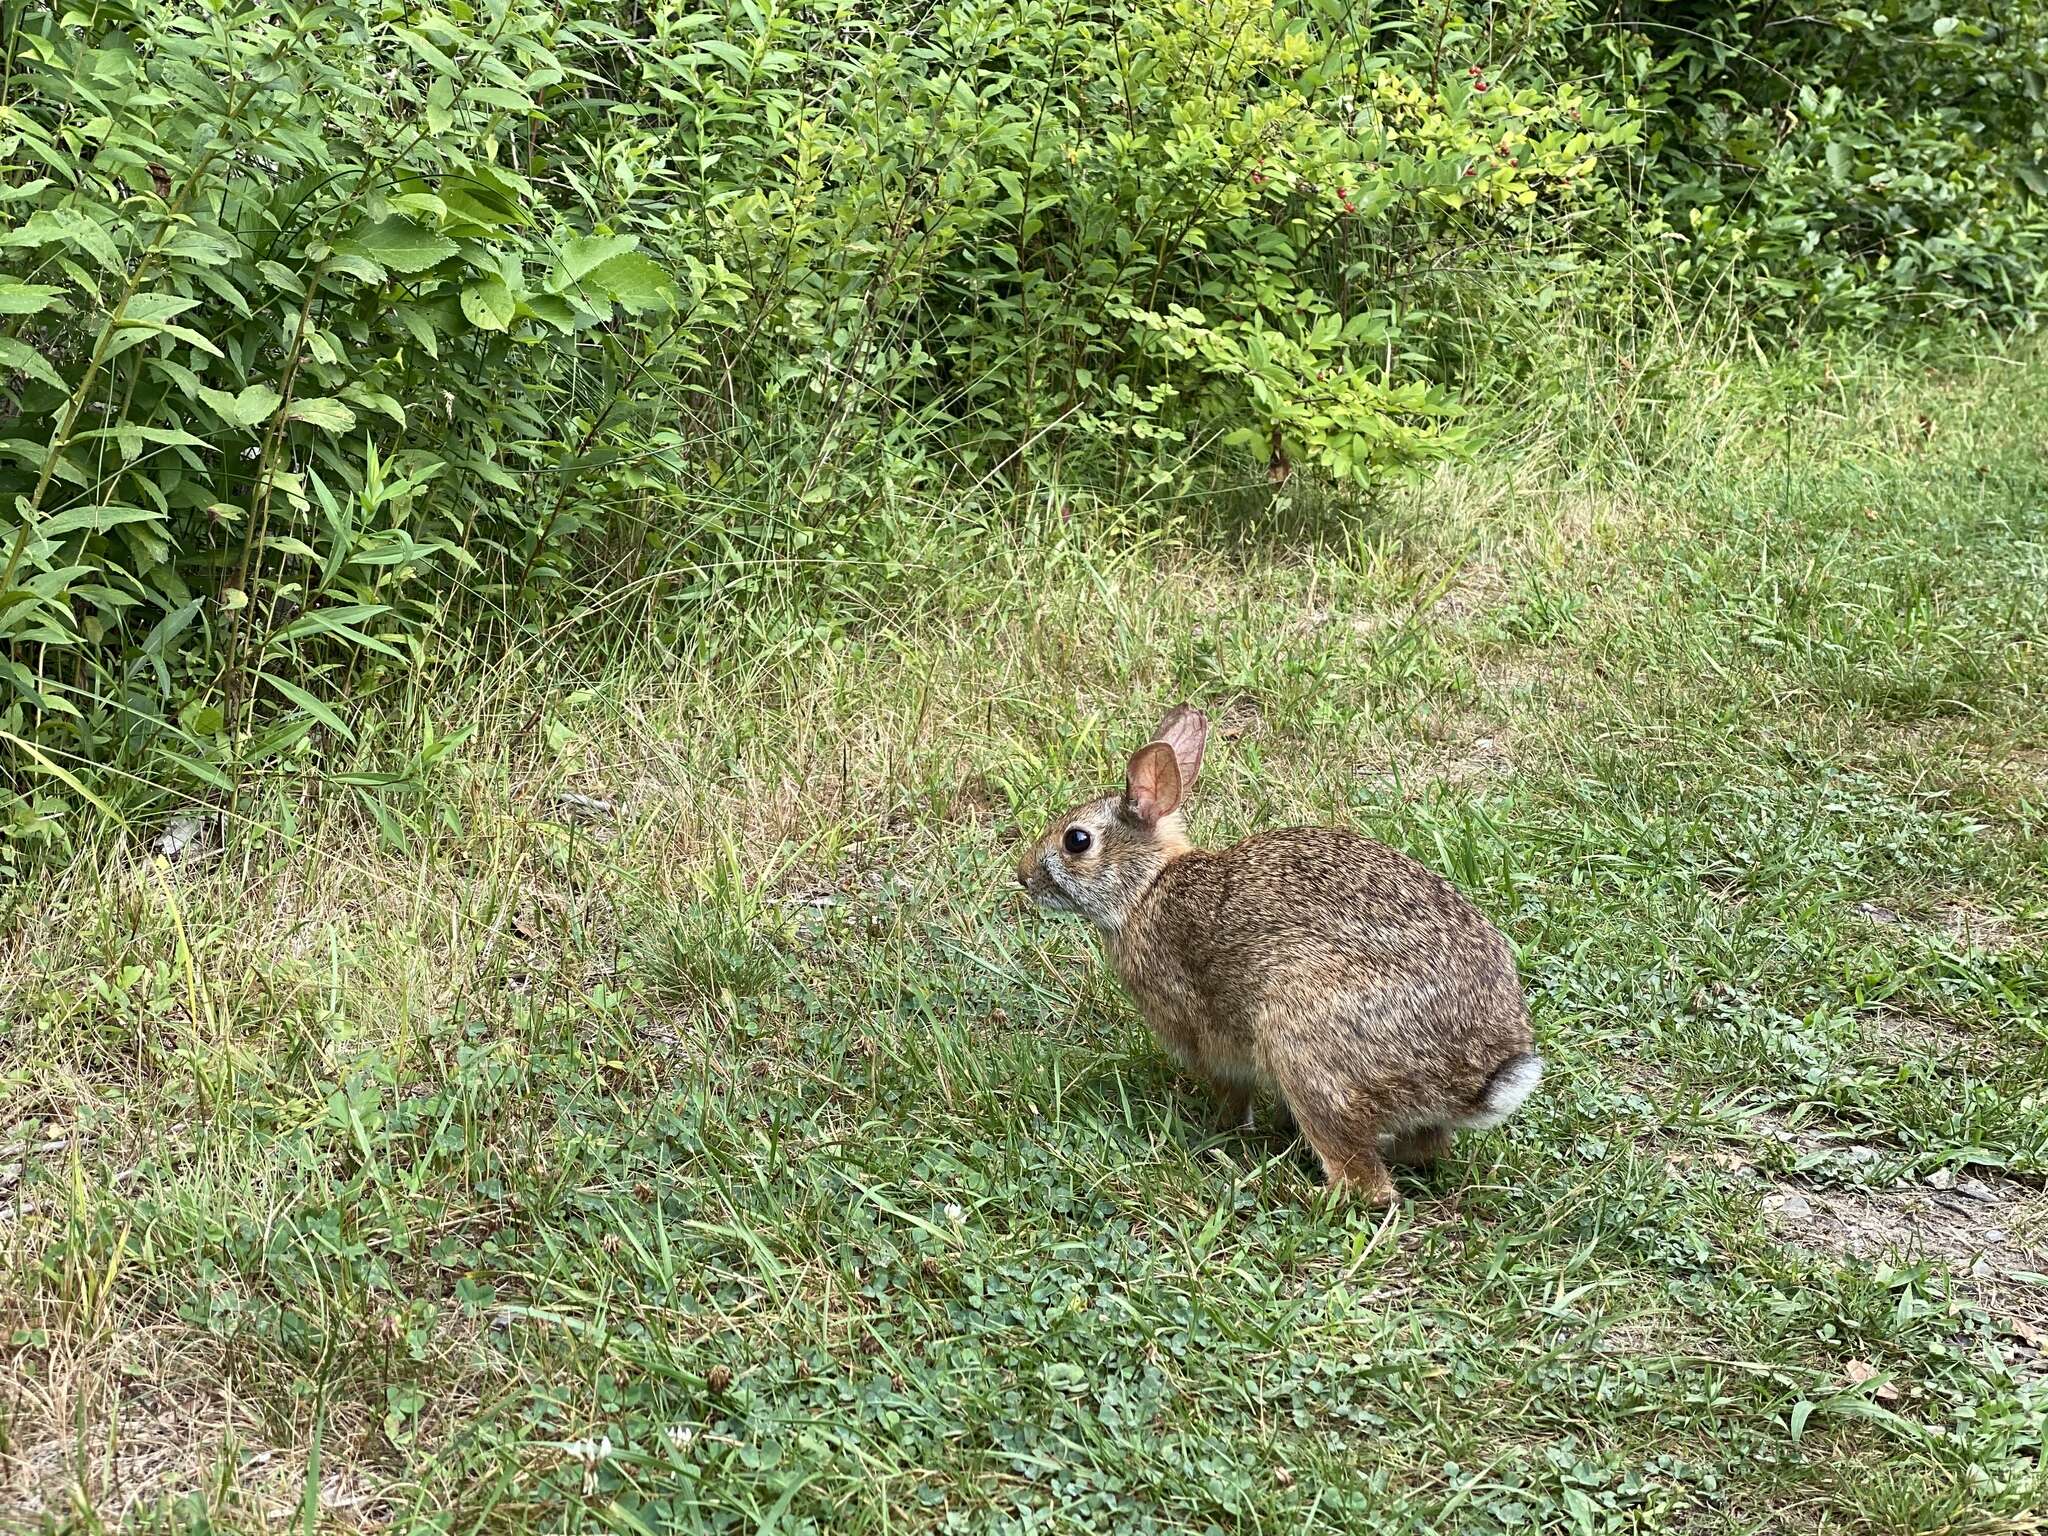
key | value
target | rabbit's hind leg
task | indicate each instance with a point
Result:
(1344, 1139)
(1420, 1146)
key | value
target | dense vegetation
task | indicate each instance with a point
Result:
(343, 341)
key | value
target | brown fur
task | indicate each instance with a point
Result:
(1361, 987)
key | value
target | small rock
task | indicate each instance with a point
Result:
(1789, 1207)
(181, 837)
(1983, 1269)
(1976, 1189)
(1859, 1155)
(1942, 1178)
(1994, 1235)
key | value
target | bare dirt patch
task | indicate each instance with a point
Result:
(1961, 924)
(1453, 747)
(1991, 1235)
(1904, 1035)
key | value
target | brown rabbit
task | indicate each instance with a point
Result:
(1358, 985)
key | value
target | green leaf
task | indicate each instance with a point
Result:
(376, 400)
(155, 308)
(402, 244)
(61, 775)
(554, 309)
(352, 264)
(488, 305)
(66, 226)
(198, 768)
(418, 324)
(440, 104)
(29, 298)
(341, 620)
(20, 357)
(310, 705)
(255, 405)
(94, 519)
(634, 281)
(586, 253)
(319, 411)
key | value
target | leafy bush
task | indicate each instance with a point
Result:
(301, 356)
(335, 338)
(1841, 163)
(332, 327)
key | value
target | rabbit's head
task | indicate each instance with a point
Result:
(1100, 858)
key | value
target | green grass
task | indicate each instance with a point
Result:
(381, 1169)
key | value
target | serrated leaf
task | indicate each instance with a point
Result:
(634, 281)
(255, 405)
(280, 276)
(29, 298)
(402, 244)
(488, 305)
(440, 102)
(19, 356)
(586, 253)
(353, 264)
(554, 309)
(321, 411)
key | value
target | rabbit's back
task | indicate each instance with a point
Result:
(1333, 948)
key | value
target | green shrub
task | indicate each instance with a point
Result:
(1836, 163)
(301, 356)
(333, 329)
(337, 339)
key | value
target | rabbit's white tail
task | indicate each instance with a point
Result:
(1506, 1091)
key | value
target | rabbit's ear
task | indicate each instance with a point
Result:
(1152, 783)
(1185, 730)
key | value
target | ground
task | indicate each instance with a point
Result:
(730, 1149)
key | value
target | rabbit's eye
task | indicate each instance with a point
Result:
(1077, 840)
